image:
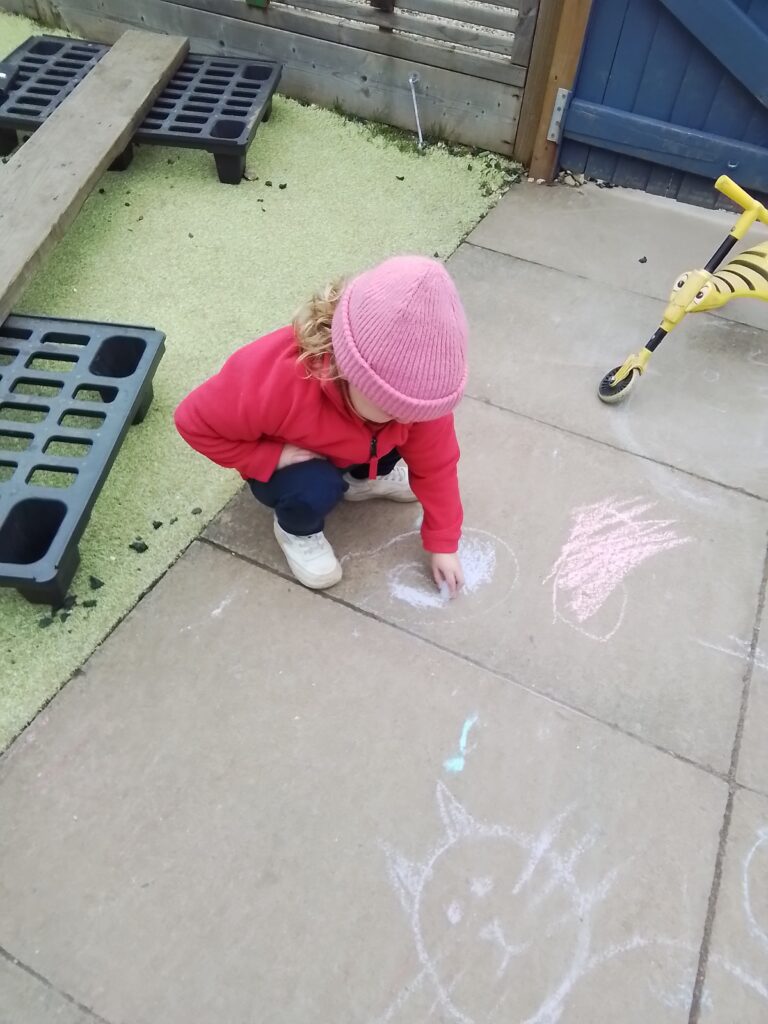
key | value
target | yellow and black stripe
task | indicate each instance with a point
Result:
(747, 275)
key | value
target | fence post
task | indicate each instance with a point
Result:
(569, 41)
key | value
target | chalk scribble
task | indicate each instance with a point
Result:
(738, 648)
(491, 572)
(456, 764)
(607, 541)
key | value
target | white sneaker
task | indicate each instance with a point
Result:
(311, 559)
(395, 486)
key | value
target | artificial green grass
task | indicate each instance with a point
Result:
(212, 266)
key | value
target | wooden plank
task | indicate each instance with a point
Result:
(521, 49)
(729, 112)
(452, 106)
(737, 41)
(562, 74)
(521, 6)
(606, 20)
(544, 38)
(691, 103)
(627, 62)
(304, 18)
(655, 91)
(689, 150)
(442, 31)
(45, 183)
(446, 32)
(493, 67)
(504, 19)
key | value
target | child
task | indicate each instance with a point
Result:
(368, 374)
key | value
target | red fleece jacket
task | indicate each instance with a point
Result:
(263, 399)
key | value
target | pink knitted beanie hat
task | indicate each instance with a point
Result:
(400, 337)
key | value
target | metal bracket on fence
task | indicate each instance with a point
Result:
(555, 132)
(413, 81)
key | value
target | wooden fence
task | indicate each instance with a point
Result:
(471, 56)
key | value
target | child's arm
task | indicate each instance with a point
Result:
(227, 417)
(432, 455)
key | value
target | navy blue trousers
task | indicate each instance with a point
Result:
(302, 495)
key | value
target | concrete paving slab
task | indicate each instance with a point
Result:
(595, 576)
(255, 805)
(602, 234)
(753, 760)
(26, 1000)
(542, 340)
(736, 982)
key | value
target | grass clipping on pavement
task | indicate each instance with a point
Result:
(213, 266)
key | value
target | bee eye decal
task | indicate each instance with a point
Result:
(681, 282)
(701, 295)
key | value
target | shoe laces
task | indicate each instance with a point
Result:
(399, 474)
(314, 544)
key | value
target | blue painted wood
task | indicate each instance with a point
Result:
(642, 59)
(729, 115)
(659, 142)
(694, 189)
(605, 22)
(691, 106)
(635, 40)
(659, 84)
(735, 39)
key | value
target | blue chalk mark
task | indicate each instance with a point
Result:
(456, 764)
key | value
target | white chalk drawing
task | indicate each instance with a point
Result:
(410, 587)
(678, 996)
(477, 959)
(220, 608)
(606, 542)
(738, 648)
(758, 929)
(548, 901)
(408, 582)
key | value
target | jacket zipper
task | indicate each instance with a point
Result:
(373, 458)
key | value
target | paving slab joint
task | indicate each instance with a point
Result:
(701, 971)
(42, 980)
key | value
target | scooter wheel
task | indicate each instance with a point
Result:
(610, 393)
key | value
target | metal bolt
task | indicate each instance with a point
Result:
(413, 80)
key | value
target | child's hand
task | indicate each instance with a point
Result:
(291, 456)
(447, 570)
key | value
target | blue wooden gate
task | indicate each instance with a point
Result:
(671, 94)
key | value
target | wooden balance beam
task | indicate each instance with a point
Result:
(44, 184)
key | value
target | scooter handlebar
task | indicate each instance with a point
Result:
(743, 199)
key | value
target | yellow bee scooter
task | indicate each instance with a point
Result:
(745, 277)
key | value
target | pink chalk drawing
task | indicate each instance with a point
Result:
(607, 541)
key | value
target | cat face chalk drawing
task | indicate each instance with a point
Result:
(506, 931)
(479, 959)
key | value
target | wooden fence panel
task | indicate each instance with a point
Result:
(453, 104)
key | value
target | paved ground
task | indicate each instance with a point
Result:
(545, 803)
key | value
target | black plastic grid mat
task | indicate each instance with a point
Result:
(69, 391)
(211, 103)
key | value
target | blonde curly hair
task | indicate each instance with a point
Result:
(312, 326)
